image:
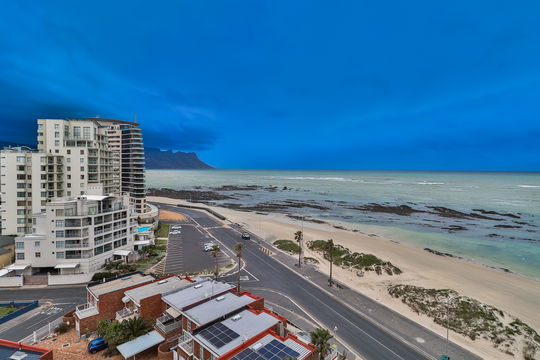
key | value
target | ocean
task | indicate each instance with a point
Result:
(490, 218)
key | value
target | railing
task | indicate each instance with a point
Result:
(86, 310)
(186, 343)
(167, 324)
(125, 313)
(75, 246)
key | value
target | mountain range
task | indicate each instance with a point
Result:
(156, 158)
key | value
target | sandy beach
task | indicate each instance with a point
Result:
(509, 292)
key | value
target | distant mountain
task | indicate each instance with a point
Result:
(158, 159)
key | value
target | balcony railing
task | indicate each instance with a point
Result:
(86, 310)
(186, 343)
(125, 314)
(167, 324)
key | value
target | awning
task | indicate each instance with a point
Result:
(137, 346)
(17, 267)
(4, 272)
(173, 312)
(67, 266)
(141, 242)
(122, 252)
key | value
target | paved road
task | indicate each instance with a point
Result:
(54, 302)
(355, 328)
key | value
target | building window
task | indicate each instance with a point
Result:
(21, 185)
(20, 256)
(86, 133)
(43, 194)
(56, 134)
(21, 221)
(40, 126)
(68, 168)
(20, 212)
(38, 255)
(19, 245)
(68, 160)
(69, 177)
(20, 167)
(56, 126)
(82, 162)
(60, 234)
(82, 152)
(21, 194)
(37, 243)
(82, 167)
(69, 152)
(69, 185)
(60, 244)
(21, 177)
(59, 212)
(56, 142)
(21, 229)
(69, 211)
(77, 132)
(59, 223)
(82, 178)
(60, 255)
(21, 159)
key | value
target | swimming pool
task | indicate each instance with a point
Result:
(144, 228)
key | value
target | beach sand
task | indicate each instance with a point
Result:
(519, 296)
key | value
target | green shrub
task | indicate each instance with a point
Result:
(287, 245)
(102, 275)
(310, 260)
(62, 328)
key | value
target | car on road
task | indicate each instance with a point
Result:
(246, 236)
(96, 345)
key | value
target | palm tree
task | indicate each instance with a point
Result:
(330, 250)
(321, 339)
(238, 248)
(299, 236)
(134, 327)
(215, 253)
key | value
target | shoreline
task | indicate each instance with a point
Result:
(515, 294)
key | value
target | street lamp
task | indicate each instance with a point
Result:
(450, 299)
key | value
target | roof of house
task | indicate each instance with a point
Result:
(157, 287)
(118, 284)
(271, 346)
(198, 292)
(25, 352)
(245, 325)
(138, 345)
(220, 306)
(6, 240)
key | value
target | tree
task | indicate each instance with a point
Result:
(215, 253)
(299, 236)
(134, 327)
(239, 247)
(321, 339)
(330, 250)
(113, 334)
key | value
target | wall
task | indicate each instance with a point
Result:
(69, 279)
(11, 281)
(27, 306)
(152, 307)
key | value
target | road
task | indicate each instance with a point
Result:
(358, 330)
(54, 302)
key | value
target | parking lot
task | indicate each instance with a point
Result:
(185, 250)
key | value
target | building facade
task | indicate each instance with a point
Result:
(77, 235)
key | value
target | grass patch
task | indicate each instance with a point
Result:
(310, 260)
(5, 310)
(343, 257)
(288, 246)
(468, 317)
(161, 242)
(162, 230)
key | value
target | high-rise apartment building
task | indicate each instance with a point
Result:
(126, 143)
(77, 235)
(74, 157)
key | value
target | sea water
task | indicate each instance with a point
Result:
(507, 242)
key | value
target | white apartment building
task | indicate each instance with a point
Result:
(77, 235)
(84, 147)
(27, 179)
(126, 144)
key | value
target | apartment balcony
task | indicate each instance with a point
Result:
(86, 310)
(185, 342)
(167, 324)
(76, 246)
(126, 314)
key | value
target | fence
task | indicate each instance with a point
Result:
(26, 306)
(42, 332)
(11, 281)
(68, 279)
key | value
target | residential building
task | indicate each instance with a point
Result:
(126, 144)
(27, 179)
(104, 299)
(16, 350)
(84, 148)
(77, 235)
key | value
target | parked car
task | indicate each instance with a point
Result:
(96, 345)
(208, 246)
(246, 236)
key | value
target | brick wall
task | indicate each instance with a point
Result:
(152, 307)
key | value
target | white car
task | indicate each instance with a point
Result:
(208, 246)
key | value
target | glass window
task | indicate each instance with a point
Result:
(56, 134)
(20, 167)
(59, 212)
(59, 223)
(37, 243)
(21, 159)
(20, 211)
(60, 244)
(82, 162)
(82, 167)
(19, 245)
(77, 132)
(21, 185)
(60, 233)
(68, 160)
(40, 126)
(60, 254)
(43, 194)
(21, 194)
(21, 221)
(38, 255)
(69, 211)
(21, 229)
(20, 256)
(56, 142)
(86, 133)
(56, 126)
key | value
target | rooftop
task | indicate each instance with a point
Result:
(214, 309)
(198, 292)
(222, 337)
(157, 287)
(118, 284)
(272, 347)
(13, 350)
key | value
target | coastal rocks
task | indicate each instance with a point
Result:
(502, 226)
(403, 210)
(490, 212)
(191, 195)
(435, 252)
(455, 214)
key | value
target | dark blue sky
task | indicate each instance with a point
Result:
(286, 84)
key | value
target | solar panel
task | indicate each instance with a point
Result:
(248, 354)
(275, 350)
(218, 334)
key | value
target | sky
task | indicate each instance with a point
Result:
(305, 84)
